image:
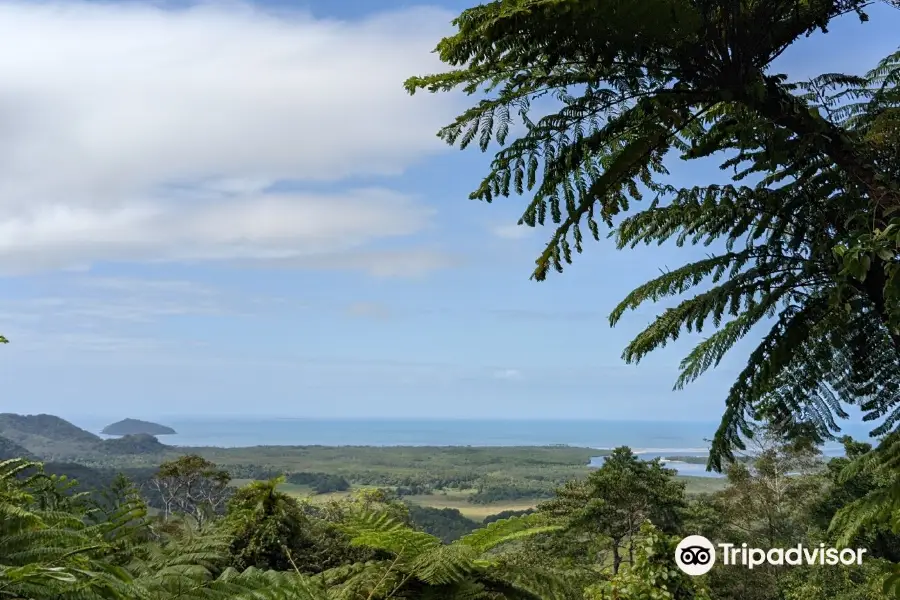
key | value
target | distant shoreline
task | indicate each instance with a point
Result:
(672, 438)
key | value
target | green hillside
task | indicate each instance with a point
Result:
(10, 449)
(47, 436)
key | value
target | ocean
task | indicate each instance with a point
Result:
(648, 439)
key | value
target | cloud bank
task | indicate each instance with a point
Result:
(137, 133)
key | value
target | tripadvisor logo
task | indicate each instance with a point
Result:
(696, 555)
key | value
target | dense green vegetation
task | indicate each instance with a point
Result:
(321, 483)
(447, 524)
(56, 544)
(608, 536)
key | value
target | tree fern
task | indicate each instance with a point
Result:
(463, 568)
(640, 81)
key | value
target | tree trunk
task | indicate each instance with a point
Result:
(786, 110)
(617, 558)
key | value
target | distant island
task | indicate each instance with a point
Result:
(135, 427)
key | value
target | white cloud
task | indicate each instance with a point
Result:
(270, 226)
(512, 232)
(133, 132)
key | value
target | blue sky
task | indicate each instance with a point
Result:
(232, 209)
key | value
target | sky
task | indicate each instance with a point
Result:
(226, 209)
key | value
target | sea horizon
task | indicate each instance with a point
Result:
(602, 434)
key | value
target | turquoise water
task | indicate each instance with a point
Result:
(647, 438)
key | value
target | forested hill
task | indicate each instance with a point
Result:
(48, 426)
(47, 436)
(10, 449)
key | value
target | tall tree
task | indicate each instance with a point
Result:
(616, 499)
(770, 494)
(193, 486)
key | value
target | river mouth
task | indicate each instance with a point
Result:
(692, 469)
(682, 468)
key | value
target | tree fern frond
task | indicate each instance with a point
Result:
(502, 531)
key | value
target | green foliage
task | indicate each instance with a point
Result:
(781, 497)
(495, 489)
(869, 480)
(45, 549)
(633, 79)
(321, 483)
(769, 496)
(652, 576)
(365, 501)
(447, 524)
(191, 486)
(863, 582)
(506, 514)
(61, 543)
(271, 530)
(851, 484)
(617, 498)
(462, 568)
(109, 549)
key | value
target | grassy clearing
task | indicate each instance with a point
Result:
(460, 501)
(306, 492)
(241, 482)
